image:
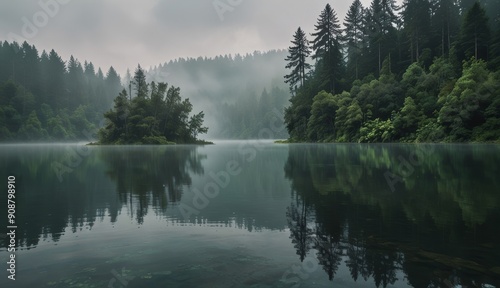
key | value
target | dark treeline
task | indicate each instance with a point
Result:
(423, 71)
(43, 97)
(239, 93)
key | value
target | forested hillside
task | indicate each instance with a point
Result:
(44, 98)
(425, 71)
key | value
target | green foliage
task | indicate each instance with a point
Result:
(321, 122)
(475, 34)
(430, 131)
(298, 60)
(151, 118)
(422, 93)
(377, 131)
(353, 38)
(32, 128)
(407, 121)
(155, 140)
(43, 98)
(326, 48)
(464, 108)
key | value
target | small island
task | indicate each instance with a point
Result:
(157, 115)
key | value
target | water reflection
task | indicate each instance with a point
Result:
(151, 177)
(425, 215)
(441, 217)
(59, 187)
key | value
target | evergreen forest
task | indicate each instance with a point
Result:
(45, 98)
(423, 71)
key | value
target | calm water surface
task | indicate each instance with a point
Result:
(254, 214)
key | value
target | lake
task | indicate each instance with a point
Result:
(253, 214)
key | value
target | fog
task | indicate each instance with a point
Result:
(227, 79)
(122, 33)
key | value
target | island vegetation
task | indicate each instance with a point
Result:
(156, 115)
(423, 72)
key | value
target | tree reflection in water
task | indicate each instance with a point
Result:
(440, 218)
(143, 176)
(151, 177)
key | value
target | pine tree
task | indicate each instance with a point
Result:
(475, 36)
(113, 84)
(76, 83)
(117, 128)
(416, 17)
(30, 68)
(353, 35)
(55, 84)
(298, 60)
(327, 33)
(140, 84)
(445, 23)
(382, 19)
(326, 47)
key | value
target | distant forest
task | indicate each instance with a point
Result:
(240, 94)
(425, 71)
(45, 98)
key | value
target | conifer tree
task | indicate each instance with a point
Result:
(140, 84)
(353, 35)
(475, 35)
(298, 60)
(416, 18)
(326, 47)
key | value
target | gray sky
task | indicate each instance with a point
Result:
(123, 33)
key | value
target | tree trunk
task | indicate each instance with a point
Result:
(442, 40)
(379, 60)
(475, 44)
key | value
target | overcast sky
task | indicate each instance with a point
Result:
(123, 33)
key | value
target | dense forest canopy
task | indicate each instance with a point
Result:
(424, 71)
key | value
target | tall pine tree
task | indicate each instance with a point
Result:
(417, 23)
(298, 60)
(326, 48)
(475, 35)
(353, 37)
